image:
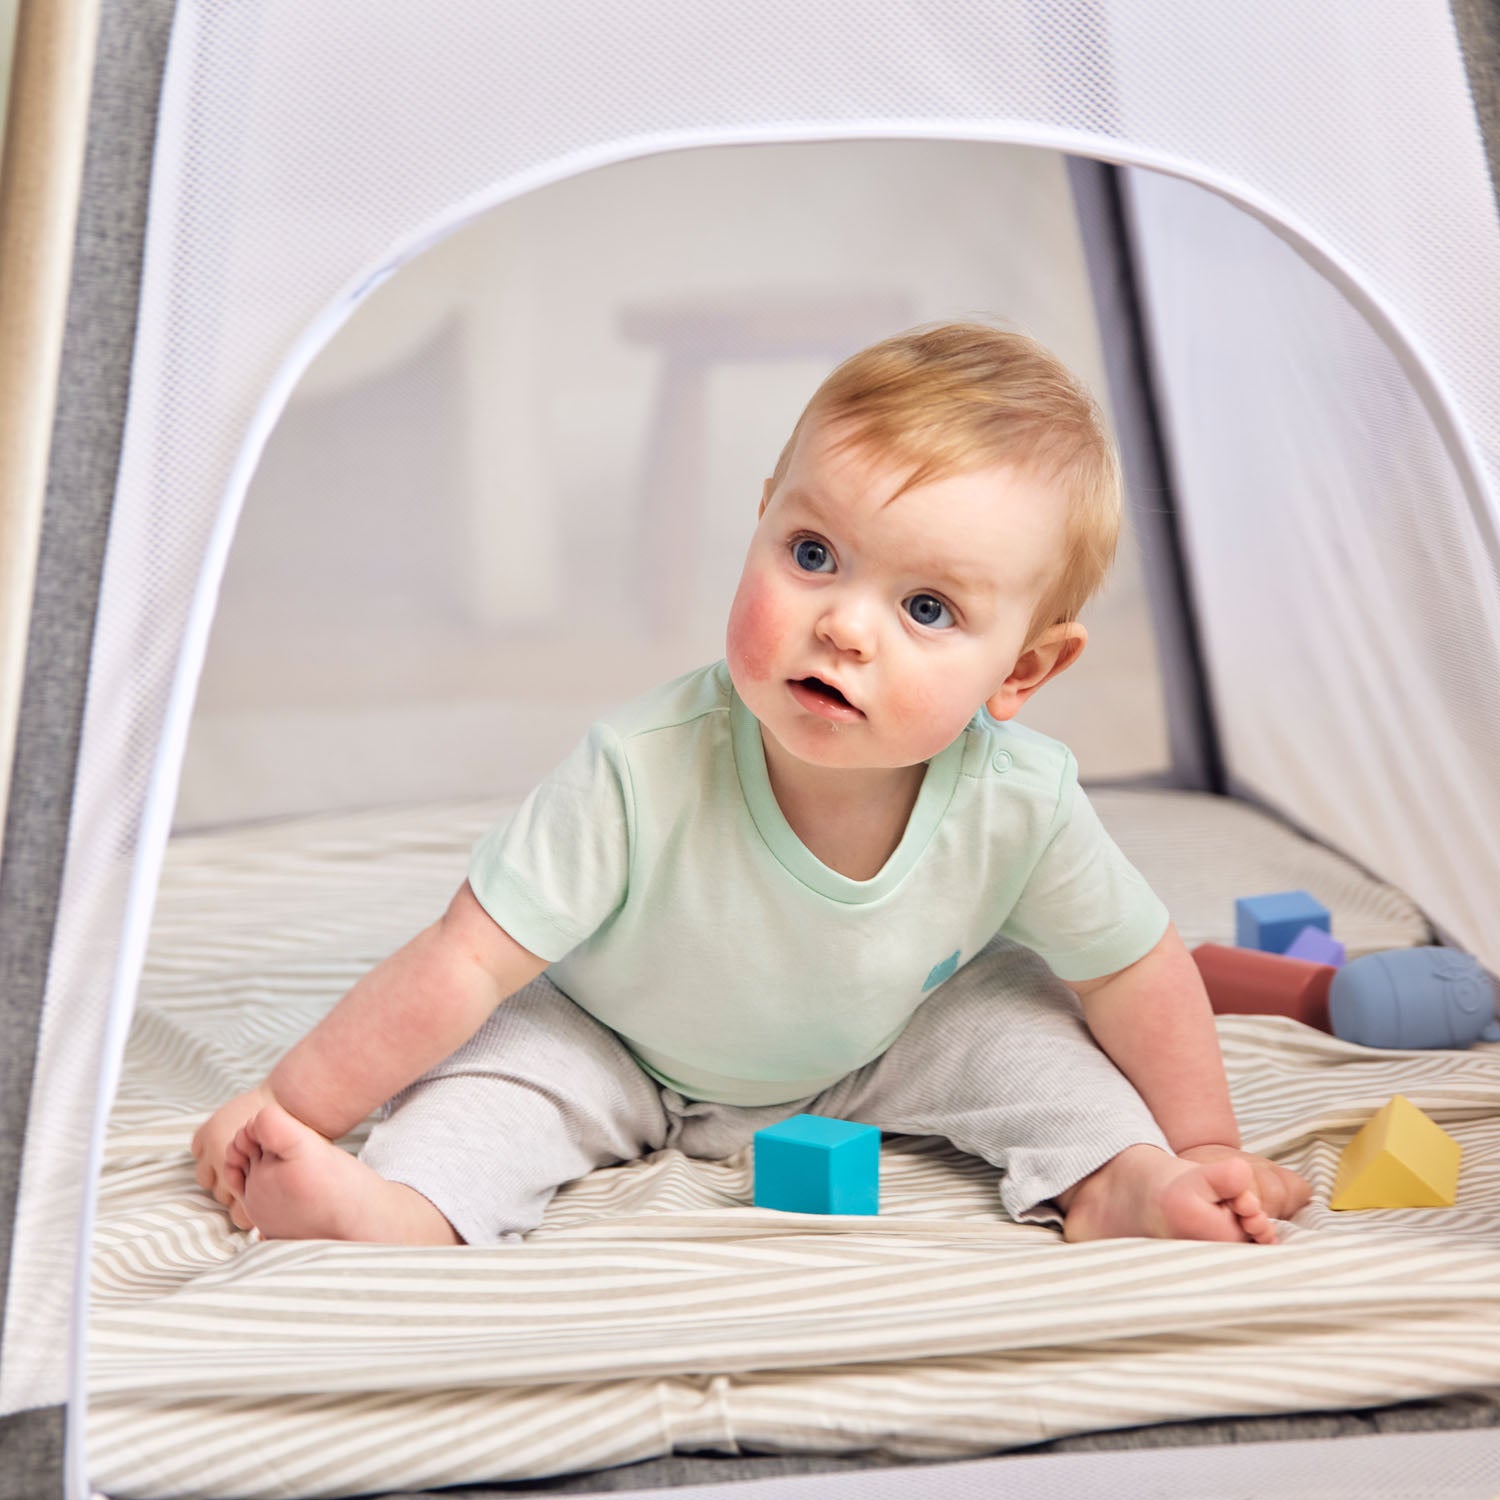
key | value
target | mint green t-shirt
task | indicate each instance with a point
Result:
(655, 872)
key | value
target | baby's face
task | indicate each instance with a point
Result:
(866, 631)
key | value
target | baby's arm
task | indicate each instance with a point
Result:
(405, 1015)
(1155, 1022)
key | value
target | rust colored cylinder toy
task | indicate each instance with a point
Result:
(1246, 982)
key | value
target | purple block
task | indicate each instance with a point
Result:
(1316, 947)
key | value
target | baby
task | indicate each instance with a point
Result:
(826, 875)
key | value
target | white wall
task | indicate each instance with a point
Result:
(446, 564)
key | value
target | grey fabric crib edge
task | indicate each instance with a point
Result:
(1464, 1411)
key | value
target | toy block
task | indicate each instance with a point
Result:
(1316, 947)
(1247, 982)
(813, 1165)
(1270, 922)
(1400, 1159)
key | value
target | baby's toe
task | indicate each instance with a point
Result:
(1247, 1205)
(1259, 1226)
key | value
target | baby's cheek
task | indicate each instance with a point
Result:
(756, 627)
(914, 702)
(929, 715)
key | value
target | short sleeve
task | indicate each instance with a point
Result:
(1086, 909)
(554, 872)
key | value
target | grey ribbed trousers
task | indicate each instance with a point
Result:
(997, 1060)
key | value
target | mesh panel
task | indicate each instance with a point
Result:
(1350, 609)
(516, 487)
(300, 144)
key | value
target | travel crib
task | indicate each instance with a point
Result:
(327, 455)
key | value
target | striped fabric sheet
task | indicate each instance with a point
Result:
(654, 1311)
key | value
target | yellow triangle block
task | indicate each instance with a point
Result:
(1401, 1159)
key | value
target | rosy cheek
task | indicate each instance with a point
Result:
(930, 718)
(914, 702)
(756, 628)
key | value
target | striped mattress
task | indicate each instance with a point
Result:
(655, 1311)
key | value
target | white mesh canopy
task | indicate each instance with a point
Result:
(516, 486)
(1347, 590)
(304, 151)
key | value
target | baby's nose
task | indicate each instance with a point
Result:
(848, 624)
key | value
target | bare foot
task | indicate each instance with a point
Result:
(1147, 1193)
(300, 1186)
(1280, 1190)
(211, 1143)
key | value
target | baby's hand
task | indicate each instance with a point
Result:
(211, 1142)
(1281, 1191)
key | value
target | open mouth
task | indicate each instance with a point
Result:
(825, 700)
(824, 690)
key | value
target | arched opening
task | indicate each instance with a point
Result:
(515, 486)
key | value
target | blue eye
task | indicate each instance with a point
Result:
(928, 609)
(812, 556)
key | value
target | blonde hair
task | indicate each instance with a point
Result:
(954, 397)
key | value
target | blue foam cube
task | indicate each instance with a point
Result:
(1314, 946)
(809, 1164)
(1271, 923)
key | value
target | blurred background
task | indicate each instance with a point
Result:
(8, 12)
(515, 488)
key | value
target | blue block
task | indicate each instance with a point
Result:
(1271, 923)
(1414, 997)
(813, 1165)
(1314, 946)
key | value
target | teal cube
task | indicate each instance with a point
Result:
(813, 1165)
(1271, 923)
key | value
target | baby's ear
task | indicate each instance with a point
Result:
(1053, 651)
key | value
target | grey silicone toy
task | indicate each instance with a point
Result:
(1414, 997)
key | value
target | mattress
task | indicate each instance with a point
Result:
(655, 1311)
